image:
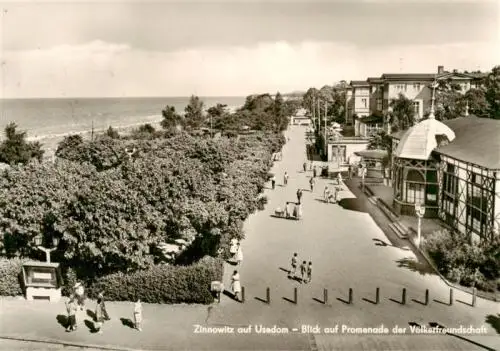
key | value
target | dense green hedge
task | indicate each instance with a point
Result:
(10, 271)
(457, 259)
(162, 283)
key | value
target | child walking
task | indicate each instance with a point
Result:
(309, 272)
(303, 270)
(294, 262)
(71, 308)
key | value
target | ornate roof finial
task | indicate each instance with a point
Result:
(434, 85)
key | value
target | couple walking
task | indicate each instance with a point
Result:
(305, 269)
(77, 301)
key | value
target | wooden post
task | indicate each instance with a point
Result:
(377, 296)
(295, 295)
(451, 296)
(426, 297)
(242, 294)
(403, 297)
(325, 296)
(474, 292)
(350, 296)
(268, 295)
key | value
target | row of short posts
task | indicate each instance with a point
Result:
(351, 296)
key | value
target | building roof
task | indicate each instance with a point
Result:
(359, 83)
(371, 119)
(477, 141)
(409, 76)
(375, 80)
(419, 141)
(377, 154)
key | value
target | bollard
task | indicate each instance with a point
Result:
(325, 296)
(295, 295)
(426, 302)
(268, 295)
(350, 296)
(403, 298)
(474, 292)
(451, 296)
(242, 294)
(377, 296)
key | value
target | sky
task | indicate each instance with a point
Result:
(207, 48)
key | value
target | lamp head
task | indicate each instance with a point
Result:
(55, 241)
(38, 240)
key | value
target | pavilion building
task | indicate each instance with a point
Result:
(453, 169)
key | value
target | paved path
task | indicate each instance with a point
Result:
(348, 250)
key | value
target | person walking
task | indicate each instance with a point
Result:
(309, 272)
(303, 268)
(326, 194)
(294, 262)
(273, 181)
(138, 315)
(71, 308)
(314, 172)
(299, 195)
(239, 255)
(339, 178)
(305, 166)
(285, 179)
(336, 195)
(99, 314)
(311, 183)
(236, 285)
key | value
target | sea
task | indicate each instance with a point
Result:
(49, 120)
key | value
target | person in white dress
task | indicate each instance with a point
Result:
(236, 285)
(239, 255)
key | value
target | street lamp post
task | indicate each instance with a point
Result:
(434, 85)
(419, 211)
(38, 243)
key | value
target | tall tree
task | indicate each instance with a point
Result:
(493, 92)
(15, 149)
(308, 98)
(194, 116)
(171, 119)
(449, 100)
(402, 115)
(476, 100)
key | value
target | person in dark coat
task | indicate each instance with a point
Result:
(299, 195)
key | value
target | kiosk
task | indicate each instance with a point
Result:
(42, 281)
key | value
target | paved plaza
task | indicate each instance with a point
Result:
(348, 250)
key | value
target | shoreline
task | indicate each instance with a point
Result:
(50, 142)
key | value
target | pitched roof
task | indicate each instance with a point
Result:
(363, 83)
(409, 76)
(375, 80)
(477, 141)
(379, 154)
(419, 141)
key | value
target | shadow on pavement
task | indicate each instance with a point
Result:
(396, 301)
(368, 300)
(287, 271)
(440, 326)
(91, 314)
(318, 300)
(90, 325)
(289, 300)
(127, 322)
(353, 204)
(260, 299)
(465, 303)
(342, 300)
(494, 321)
(62, 320)
(282, 217)
(414, 266)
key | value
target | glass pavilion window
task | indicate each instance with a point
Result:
(415, 187)
(476, 204)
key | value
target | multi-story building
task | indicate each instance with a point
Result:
(381, 91)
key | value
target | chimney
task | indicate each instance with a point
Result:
(440, 69)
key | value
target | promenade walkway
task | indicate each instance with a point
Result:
(348, 250)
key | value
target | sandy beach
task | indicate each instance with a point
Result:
(50, 142)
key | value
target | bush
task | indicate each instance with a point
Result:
(10, 272)
(457, 259)
(162, 283)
